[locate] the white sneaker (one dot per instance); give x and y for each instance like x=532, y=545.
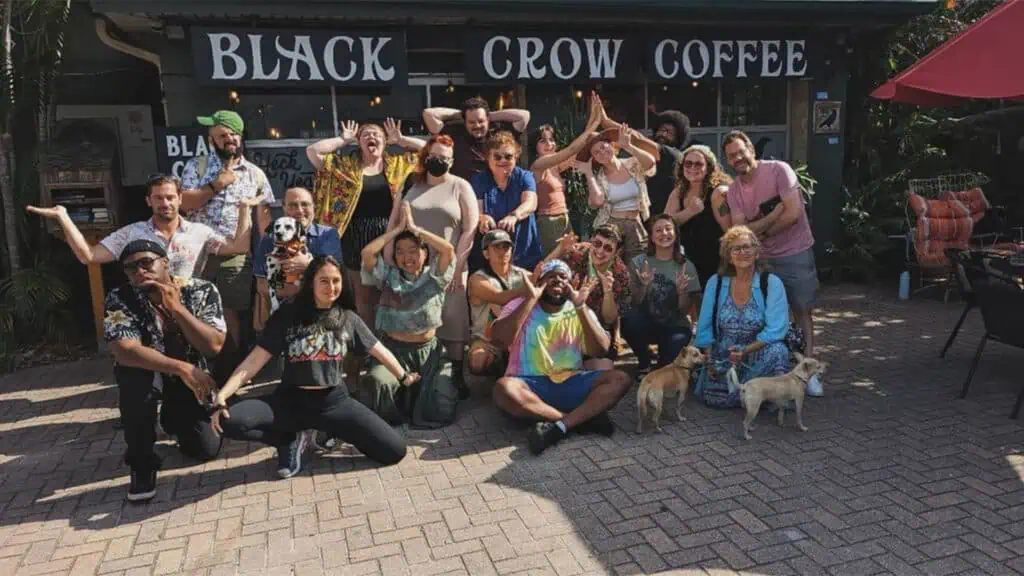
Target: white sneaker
x=814, y=387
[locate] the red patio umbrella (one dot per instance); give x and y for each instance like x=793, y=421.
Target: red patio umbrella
x=984, y=61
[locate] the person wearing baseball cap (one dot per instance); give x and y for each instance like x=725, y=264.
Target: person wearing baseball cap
x=209, y=183
x=161, y=329
x=497, y=283
x=547, y=332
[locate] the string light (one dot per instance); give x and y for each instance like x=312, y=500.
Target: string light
x=579, y=94
x=695, y=83
x=233, y=96
x=275, y=133
x=501, y=101
x=451, y=87
x=377, y=100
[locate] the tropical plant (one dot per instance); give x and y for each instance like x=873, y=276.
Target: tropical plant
x=32, y=309
x=889, y=143
x=33, y=300
x=33, y=33
x=569, y=120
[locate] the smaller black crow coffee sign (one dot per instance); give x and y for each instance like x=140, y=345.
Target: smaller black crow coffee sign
x=262, y=57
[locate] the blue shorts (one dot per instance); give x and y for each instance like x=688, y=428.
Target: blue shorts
x=564, y=396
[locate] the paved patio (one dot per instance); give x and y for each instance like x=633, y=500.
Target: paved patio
x=895, y=476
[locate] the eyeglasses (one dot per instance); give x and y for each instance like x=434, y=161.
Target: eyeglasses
x=505, y=157
x=607, y=247
x=741, y=248
x=692, y=164
x=143, y=263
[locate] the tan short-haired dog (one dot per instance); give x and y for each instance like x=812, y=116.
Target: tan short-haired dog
x=669, y=380
x=778, y=389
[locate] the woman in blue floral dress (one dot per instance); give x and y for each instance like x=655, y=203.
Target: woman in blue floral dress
x=750, y=329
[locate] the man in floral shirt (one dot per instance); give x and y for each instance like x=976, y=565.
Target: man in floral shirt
x=161, y=329
x=213, y=185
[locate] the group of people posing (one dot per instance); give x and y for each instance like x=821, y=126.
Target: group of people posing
x=440, y=258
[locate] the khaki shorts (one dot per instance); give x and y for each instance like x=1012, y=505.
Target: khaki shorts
x=634, y=237
x=233, y=277
x=799, y=275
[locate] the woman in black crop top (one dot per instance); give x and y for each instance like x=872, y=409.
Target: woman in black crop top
x=315, y=333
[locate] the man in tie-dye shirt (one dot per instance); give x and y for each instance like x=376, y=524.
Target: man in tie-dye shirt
x=547, y=334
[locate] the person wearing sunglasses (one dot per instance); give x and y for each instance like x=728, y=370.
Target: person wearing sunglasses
x=507, y=196
x=612, y=296
x=698, y=205
x=161, y=330
x=743, y=321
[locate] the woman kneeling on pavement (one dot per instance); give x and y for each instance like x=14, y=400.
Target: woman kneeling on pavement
x=412, y=298
x=743, y=321
x=315, y=333
x=664, y=283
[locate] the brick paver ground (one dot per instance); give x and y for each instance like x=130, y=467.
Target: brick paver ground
x=896, y=476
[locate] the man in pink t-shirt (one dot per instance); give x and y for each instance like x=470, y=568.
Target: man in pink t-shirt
x=766, y=197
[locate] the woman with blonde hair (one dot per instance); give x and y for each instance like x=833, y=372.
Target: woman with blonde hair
x=698, y=205
x=743, y=321
x=355, y=191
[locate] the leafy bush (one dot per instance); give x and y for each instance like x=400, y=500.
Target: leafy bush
x=569, y=120
x=33, y=309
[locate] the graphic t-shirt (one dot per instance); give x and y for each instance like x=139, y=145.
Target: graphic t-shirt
x=662, y=299
x=313, y=354
x=409, y=305
x=549, y=344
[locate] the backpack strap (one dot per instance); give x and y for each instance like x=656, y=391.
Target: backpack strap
x=714, y=310
x=764, y=286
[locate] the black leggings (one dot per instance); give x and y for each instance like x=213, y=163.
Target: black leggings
x=275, y=419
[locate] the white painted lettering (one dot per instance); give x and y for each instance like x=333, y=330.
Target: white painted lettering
x=531, y=49
x=705, y=59
x=574, y=53
x=303, y=52
x=329, y=56
x=219, y=53
x=659, y=59
x=371, y=60
x=173, y=149
x=748, y=53
x=769, y=57
x=795, y=55
x=256, y=41
x=488, y=57
x=723, y=53
x=602, y=64
x=201, y=148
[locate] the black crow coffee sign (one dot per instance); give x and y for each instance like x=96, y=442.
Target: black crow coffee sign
x=549, y=57
x=270, y=57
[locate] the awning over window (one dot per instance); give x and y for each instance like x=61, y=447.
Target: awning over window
x=984, y=61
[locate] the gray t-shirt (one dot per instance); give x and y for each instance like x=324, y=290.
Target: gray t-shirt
x=313, y=354
x=662, y=299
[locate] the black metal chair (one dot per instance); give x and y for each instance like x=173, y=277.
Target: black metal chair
x=1002, y=310
x=960, y=261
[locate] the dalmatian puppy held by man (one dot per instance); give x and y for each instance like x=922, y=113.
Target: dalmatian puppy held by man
x=289, y=241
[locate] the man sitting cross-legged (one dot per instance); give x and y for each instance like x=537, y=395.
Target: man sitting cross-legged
x=548, y=332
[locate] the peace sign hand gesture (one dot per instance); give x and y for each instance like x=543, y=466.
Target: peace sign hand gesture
x=646, y=276
x=579, y=297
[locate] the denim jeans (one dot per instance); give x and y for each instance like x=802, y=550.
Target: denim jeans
x=640, y=330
